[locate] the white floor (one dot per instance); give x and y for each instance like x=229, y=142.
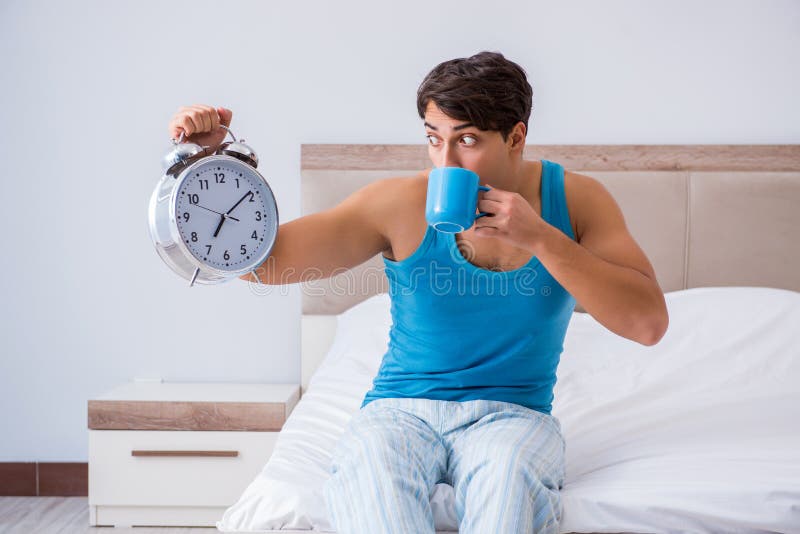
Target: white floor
x=65, y=515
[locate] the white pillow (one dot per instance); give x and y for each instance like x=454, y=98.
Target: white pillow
x=697, y=433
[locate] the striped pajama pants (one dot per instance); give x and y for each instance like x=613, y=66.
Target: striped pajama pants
x=504, y=461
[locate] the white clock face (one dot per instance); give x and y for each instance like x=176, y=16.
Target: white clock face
x=226, y=214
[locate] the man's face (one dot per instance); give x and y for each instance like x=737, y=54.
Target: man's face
x=456, y=143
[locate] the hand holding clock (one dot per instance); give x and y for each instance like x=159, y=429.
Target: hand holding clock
x=200, y=124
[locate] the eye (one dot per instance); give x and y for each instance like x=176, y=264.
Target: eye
x=432, y=140
x=469, y=140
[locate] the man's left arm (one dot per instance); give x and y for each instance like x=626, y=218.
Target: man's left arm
x=606, y=271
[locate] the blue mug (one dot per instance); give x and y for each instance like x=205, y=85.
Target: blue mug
x=452, y=199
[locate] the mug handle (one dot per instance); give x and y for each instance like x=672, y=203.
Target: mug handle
x=482, y=188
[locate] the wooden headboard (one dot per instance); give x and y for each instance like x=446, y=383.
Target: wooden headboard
x=705, y=215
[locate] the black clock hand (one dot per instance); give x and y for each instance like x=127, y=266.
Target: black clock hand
x=218, y=213
x=221, y=220
x=240, y=201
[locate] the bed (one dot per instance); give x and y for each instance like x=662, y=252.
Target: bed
x=699, y=433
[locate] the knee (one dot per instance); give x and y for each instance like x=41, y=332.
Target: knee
x=534, y=471
x=520, y=468
x=509, y=494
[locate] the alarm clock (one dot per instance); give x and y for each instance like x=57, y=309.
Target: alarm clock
x=212, y=216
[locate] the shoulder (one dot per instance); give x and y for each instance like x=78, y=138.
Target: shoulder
x=387, y=202
x=588, y=202
x=389, y=191
x=389, y=196
x=385, y=191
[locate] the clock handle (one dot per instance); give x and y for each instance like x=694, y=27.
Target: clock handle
x=183, y=134
x=229, y=132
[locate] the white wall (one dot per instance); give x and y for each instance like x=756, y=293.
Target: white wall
x=89, y=86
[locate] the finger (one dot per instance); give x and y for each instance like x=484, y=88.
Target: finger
x=202, y=117
x=489, y=206
x=214, y=114
x=491, y=193
x=486, y=231
x=210, y=115
x=195, y=115
x=225, y=116
x=484, y=222
x=492, y=206
x=174, y=129
x=496, y=199
x=492, y=196
x=185, y=121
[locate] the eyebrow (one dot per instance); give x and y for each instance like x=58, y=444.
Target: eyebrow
x=456, y=128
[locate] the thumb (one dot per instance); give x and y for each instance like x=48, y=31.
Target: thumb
x=225, y=116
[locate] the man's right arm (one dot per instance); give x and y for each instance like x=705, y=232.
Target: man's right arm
x=321, y=244
x=317, y=245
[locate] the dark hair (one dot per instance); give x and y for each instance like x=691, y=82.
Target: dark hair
x=486, y=89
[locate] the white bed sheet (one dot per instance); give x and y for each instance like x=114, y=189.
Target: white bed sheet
x=699, y=433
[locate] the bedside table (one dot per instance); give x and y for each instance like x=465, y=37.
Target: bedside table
x=179, y=454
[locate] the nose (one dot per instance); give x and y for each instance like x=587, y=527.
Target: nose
x=447, y=157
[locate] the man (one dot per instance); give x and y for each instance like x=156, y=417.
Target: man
x=464, y=391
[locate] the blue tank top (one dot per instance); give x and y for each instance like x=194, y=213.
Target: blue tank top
x=460, y=332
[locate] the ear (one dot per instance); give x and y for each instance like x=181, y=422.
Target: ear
x=516, y=138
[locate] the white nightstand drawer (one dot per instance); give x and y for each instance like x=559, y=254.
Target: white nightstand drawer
x=172, y=468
